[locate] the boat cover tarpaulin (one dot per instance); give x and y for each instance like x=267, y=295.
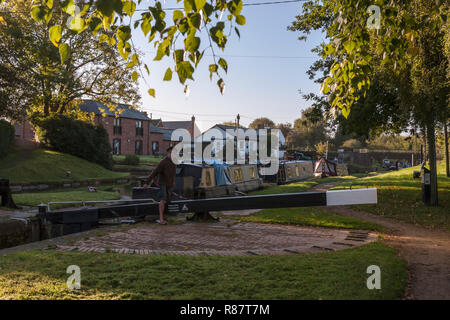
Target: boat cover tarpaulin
x=222, y=173
x=325, y=167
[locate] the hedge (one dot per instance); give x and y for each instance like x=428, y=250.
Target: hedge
x=75, y=137
x=6, y=137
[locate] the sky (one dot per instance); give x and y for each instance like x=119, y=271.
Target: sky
x=266, y=69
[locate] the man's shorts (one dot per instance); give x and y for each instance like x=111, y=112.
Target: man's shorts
x=164, y=192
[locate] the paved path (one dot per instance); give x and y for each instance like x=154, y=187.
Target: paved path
x=426, y=251
x=223, y=238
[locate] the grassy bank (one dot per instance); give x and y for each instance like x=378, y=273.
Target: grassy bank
x=331, y=275
x=36, y=198
x=48, y=166
x=309, y=216
x=400, y=197
x=303, y=186
x=118, y=159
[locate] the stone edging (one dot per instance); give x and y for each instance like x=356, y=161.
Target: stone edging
x=56, y=185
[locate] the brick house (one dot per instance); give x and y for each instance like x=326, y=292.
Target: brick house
x=25, y=135
x=129, y=133
x=132, y=132
x=161, y=133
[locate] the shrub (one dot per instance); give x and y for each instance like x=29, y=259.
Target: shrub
x=75, y=137
x=6, y=137
x=131, y=160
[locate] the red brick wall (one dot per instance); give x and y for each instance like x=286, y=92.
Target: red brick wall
x=25, y=136
x=128, y=137
x=163, y=144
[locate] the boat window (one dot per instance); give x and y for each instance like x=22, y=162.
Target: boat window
x=208, y=178
x=252, y=173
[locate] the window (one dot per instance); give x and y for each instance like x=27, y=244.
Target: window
x=155, y=147
x=117, y=126
x=139, y=129
x=138, y=149
x=252, y=173
x=17, y=129
x=116, y=146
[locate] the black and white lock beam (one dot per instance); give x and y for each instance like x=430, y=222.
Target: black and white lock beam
x=287, y=200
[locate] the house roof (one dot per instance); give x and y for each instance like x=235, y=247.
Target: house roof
x=156, y=122
x=167, y=133
x=173, y=125
x=95, y=106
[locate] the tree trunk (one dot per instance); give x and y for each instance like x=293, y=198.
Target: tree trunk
x=447, y=167
x=431, y=137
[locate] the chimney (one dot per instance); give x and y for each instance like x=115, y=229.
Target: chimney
x=237, y=122
x=193, y=126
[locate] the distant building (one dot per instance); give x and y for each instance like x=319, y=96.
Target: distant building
x=129, y=133
x=161, y=133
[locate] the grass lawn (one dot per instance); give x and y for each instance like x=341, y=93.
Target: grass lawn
x=309, y=216
x=303, y=186
x=142, y=159
x=330, y=275
x=36, y=198
x=400, y=197
x=49, y=166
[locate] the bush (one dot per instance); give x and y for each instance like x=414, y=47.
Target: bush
x=131, y=160
x=75, y=137
x=6, y=137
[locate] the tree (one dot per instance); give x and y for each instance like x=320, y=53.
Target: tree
x=176, y=36
x=306, y=133
x=404, y=40
x=32, y=74
x=262, y=123
x=285, y=128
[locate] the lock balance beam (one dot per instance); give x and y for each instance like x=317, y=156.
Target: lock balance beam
x=202, y=207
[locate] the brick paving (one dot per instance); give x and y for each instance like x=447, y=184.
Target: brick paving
x=224, y=238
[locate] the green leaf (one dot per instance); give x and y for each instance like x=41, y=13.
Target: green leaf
x=134, y=61
x=240, y=20
x=177, y=15
x=64, y=51
x=107, y=7
x=349, y=46
x=55, y=35
x=146, y=27
x=223, y=64
x=152, y=92
x=199, y=4
x=38, y=13
x=124, y=33
x=188, y=5
x=185, y=71
x=345, y=112
x=68, y=7
x=49, y=4
x=212, y=69
x=235, y=7
x=237, y=32
x=134, y=76
x=129, y=7
x=168, y=75
x=77, y=24
x=147, y=69
x=192, y=44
